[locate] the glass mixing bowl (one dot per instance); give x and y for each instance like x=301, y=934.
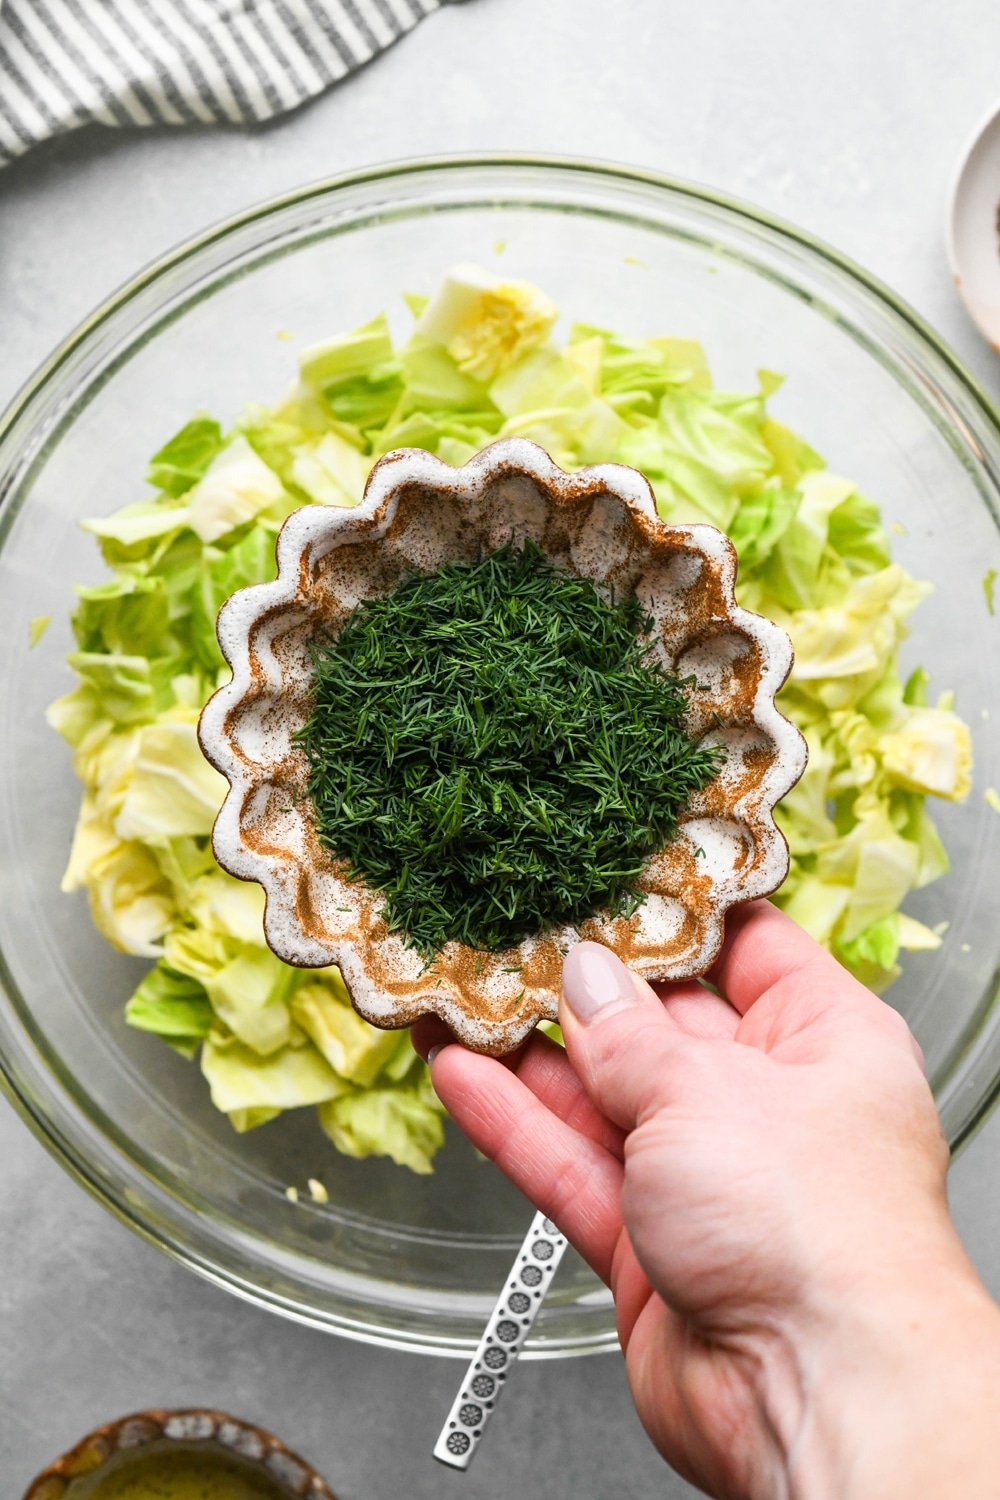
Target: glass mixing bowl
x=395, y=1259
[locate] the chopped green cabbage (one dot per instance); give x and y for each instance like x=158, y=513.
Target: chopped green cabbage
x=481, y=362
x=37, y=626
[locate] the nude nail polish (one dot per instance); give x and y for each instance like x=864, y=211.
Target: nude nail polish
x=596, y=983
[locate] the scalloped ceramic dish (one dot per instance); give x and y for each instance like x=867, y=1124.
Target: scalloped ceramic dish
x=417, y=514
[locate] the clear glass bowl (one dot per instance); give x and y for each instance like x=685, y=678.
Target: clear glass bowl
x=396, y=1259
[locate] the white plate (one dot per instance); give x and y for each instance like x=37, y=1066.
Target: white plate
x=974, y=228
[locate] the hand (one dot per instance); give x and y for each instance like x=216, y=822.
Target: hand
x=760, y=1179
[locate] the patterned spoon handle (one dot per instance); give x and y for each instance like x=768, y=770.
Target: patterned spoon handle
x=509, y=1325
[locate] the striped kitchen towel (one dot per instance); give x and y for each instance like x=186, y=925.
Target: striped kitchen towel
x=65, y=63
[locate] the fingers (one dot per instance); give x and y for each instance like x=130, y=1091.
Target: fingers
x=785, y=985
x=761, y=947
x=621, y=1039
x=543, y=1066
x=699, y=1013
x=547, y=1071
x=572, y=1179
x=428, y=1032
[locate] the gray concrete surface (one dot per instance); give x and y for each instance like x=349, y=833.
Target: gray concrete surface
x=846, y=119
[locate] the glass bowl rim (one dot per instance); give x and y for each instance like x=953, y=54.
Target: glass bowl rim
x=404, y=167
x=613, y=174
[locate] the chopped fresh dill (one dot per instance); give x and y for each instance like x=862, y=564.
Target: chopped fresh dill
x=493, y=748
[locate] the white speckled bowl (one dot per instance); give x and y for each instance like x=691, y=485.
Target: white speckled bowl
x=599, y=523
x=973, y=227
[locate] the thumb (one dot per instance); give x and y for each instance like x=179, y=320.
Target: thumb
x=622, y=1043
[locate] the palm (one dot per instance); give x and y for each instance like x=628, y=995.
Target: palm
x=707, y=1175
x=698, y=1411
x=691, y=1384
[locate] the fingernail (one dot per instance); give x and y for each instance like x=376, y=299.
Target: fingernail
x=433, y=1052
x=596, y=983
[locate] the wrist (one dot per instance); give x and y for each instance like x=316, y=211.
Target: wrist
x=901, y=1397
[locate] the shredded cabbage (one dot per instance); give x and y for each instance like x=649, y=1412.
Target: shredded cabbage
x=480, y=363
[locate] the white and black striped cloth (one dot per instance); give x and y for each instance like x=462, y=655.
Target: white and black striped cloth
x=66, y=63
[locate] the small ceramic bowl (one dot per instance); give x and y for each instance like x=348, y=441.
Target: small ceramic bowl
x=599, y=523
x=973, y=232
x=106, y=1450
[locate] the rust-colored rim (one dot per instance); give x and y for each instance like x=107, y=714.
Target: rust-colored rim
x=196, y=1425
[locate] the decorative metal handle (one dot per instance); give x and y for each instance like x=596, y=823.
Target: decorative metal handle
x=509, y=1325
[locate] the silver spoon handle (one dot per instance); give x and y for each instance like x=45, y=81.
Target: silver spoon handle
x=509, y=1325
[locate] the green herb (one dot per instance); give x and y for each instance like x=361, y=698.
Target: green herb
x=494, y=750
x=989, y=584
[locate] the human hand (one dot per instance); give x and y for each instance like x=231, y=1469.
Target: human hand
x=761, y=1181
